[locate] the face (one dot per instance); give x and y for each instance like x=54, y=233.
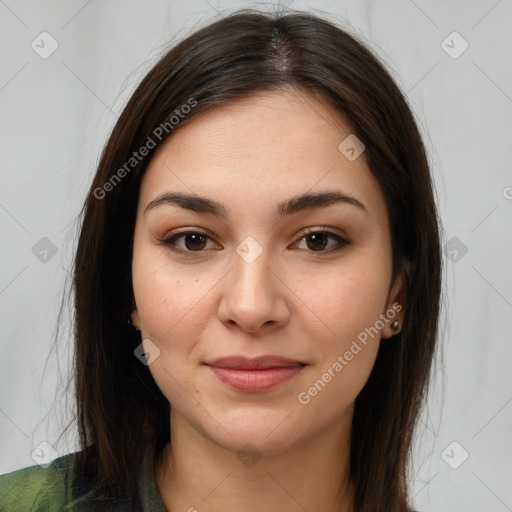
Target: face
x=250, y=271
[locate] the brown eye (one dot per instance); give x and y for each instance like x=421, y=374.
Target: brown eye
x=193, y=241
x=317, y=241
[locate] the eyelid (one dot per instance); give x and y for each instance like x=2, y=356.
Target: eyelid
x=342, y=240
x=322, y=229
x=169, y=239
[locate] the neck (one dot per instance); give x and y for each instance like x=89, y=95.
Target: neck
x=198, y=475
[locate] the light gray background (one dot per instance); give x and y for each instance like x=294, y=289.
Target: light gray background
x=56, y=114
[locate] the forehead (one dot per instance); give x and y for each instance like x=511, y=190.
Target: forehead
x=291, y=120
x=272, y=144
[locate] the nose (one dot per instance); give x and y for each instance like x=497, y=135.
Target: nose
x=254, y=296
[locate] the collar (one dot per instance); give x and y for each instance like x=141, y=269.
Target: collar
x=149, y=496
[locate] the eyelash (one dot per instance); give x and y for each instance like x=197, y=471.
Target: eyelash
x=171, y=240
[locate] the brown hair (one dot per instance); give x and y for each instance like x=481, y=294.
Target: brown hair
x=118, y=403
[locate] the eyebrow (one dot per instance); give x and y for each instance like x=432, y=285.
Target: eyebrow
x=293, y=205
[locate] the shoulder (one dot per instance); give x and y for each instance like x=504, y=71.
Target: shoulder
x=36, y=488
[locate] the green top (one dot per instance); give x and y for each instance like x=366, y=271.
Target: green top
x=58, y=488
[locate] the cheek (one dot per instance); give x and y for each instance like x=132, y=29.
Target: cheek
x=169, y=298
x=345, y=335
x=345, y=301
x=171, y=304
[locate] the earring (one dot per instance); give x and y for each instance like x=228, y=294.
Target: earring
x=134, y=326
x=395, y=325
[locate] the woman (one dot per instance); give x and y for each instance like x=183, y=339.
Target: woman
x=257, y=284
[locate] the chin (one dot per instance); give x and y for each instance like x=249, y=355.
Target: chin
x=269, y=434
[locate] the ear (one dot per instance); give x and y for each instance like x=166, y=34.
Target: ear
x=397, y=301
x=134, y=316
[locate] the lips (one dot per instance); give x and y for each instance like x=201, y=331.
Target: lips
x=254, y=375
x=257, y=363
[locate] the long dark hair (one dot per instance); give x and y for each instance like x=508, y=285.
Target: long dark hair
x=119, y=406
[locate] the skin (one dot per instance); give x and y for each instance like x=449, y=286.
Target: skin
x=292, y=301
